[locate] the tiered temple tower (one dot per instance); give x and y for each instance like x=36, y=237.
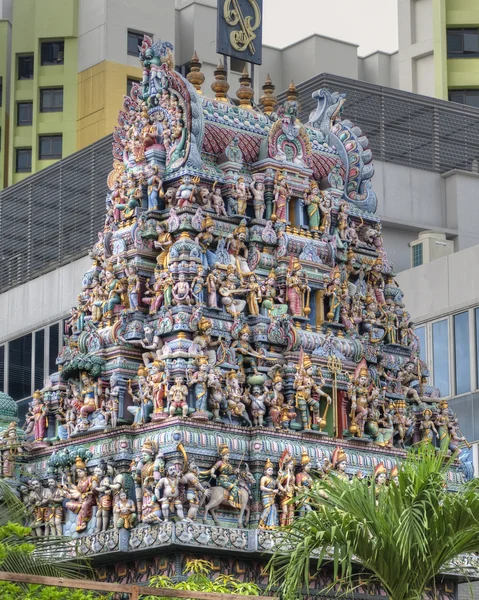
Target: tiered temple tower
x=240, y=327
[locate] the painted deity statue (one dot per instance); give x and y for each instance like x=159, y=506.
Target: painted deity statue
x=359, y=390
x=312, y=200
x=226, y=476
x=125, y=512
x=286, y=485
x=186, y=192
x=241, y=194
x=269, y=489
x=296, y=289
x=304, y=481
x=36, y=420
x=199, y=381
x=204, y=240
x=167, y=491
x=257, y=191
x=339, y=462
x=307, y=394
x=82, y=495
x=143, y=470
x=177, y=395
x=282, y=195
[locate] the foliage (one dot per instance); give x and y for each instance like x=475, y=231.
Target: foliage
x=20, y=552
x=199, y=581
x=399, y=537
x=12, y=591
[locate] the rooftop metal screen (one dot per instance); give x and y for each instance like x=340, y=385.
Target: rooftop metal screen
x=403, y=128
x=54, y=216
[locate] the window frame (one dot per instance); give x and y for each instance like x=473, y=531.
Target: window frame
x=52, y=63
x=26, y=123
x=139, y=38
x=450, y=355
x=17, y=150
x=419, y=245
x=461, y=31
x=455, y=348
x=129, y=84
x=53, y=90
x=50, y=136
x=473, y=92
x=22, y=57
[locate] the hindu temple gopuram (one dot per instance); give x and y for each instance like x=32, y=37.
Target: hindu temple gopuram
x=239, y=329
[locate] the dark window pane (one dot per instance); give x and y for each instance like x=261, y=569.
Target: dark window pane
x=456, y=96
x=52, y=53
x=50, y=146
x=476, y=315
x=134, y=39
x=471, y=41
x=129, y=84
x=440, y=356
x=454, y=42
x=20, y=367
x=417, y=255
x=472, y=97
x=25, y=67
x=51, y=100
x=39, y=359
x=1, y=91
x=24, y=113
x=462, y=353
x=421, y=334
x=2, y=368
x=53, y=349
x=23, y=160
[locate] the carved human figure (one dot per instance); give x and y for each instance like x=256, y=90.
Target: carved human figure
x=241, y=194
x=10, y=448
x=194, y=490
x=133, y=286
x=253, y=295
x=199, y=380
x=143, y=474
x=216, y=199
x=163, y=243
x=257, y=192
x=204, y=342
x=269, y=489
x=359, y=391
x=339, y=462
x=55, y=512
x=325, y=207
x=312, y=200
x=124, y=512
x=226, y=476
x=105, y=497
x=243, y=351
x=304, y=481
x=212, y=285
x=155, y=187
x=286, y=485
x=282, y=194
x=335, y=179
x=236, y=398
x=82, y=495
x=177, y=395
x=334, y=292
x=296, y=288
x=258, y=396
x=186, y=192
x=343, y=215
x=305, y=391
x=167, y=491
x=181, y=291
x=204, y=240
x=37, y=417
x=142, y=399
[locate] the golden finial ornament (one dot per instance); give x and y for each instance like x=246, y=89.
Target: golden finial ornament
x=195, y=76
x=245, y=92
x=268, y=100
x=220, y=85
x=292, y=93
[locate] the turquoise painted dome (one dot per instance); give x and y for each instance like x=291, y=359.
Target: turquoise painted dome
x=8, y=408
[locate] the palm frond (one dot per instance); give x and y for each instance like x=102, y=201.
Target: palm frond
x=401, y=537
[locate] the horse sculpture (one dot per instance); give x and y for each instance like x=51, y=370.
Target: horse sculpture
x=219, y=497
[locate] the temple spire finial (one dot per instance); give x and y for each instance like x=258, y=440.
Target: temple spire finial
x=195, y=76
x=268, y=100
x=220, y=85
x=245, y=92
x=292, y=93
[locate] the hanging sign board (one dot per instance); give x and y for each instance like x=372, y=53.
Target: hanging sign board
x=240, y=29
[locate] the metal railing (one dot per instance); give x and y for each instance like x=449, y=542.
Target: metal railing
x=403, y=128
x=54, y=216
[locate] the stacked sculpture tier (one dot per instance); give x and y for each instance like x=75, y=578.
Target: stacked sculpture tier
x=240, y=326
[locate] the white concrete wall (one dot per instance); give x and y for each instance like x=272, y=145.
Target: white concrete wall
x=42, y=300
x=103, y=26
x=424, y=75
x=415, y=40
x=442, y=286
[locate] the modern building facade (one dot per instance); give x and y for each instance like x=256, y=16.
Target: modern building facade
x=439, y=49
x=444, y=300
